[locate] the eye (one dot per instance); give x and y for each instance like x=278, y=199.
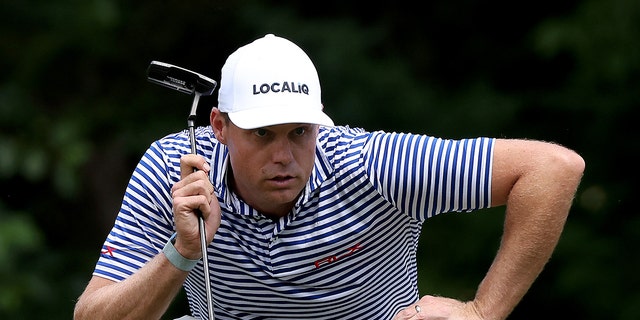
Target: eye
x=300, y=131
x=260, y=132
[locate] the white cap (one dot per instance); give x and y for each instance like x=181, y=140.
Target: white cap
x=271, y=81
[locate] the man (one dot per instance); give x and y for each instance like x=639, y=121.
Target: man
x=305, y=219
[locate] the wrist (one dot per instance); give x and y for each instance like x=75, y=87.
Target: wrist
x=177, y=259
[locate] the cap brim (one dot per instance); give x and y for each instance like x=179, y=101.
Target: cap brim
x=271, y=116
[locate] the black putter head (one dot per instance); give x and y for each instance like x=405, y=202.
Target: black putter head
x=180, y=79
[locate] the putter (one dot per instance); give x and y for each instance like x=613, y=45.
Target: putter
x=188, y=82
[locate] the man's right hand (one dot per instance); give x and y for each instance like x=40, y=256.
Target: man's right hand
x=194, y=195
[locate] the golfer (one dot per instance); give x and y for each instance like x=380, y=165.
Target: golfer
x=310, y=220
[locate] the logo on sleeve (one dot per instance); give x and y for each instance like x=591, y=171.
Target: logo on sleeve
x=109, y=250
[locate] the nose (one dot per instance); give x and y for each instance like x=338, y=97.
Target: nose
x=281, y=151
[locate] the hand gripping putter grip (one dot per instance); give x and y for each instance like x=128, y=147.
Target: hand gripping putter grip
x=188, y=82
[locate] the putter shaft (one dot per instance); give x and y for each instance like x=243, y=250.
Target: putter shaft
x=189, y=82
x=203, y=234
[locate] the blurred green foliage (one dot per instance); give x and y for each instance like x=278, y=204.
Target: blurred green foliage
x=76, y=113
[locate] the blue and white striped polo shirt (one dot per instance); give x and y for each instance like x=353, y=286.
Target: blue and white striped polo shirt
x=346, y=251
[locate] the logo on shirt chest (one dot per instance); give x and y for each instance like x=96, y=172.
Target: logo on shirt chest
x=331, y=259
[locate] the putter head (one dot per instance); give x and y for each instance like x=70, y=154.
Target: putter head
x=180, y=79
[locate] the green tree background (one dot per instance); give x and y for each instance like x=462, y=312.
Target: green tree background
x=76, y=113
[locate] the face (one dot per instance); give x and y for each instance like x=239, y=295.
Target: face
x=270, y=165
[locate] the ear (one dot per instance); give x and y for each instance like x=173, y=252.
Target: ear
x=218, y=124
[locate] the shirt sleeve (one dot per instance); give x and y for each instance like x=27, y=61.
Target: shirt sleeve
x=145, y=220
x=424, y=176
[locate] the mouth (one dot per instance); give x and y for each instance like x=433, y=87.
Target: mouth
x=281, y=180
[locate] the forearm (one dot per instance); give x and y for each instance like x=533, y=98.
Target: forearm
x=537, y=207
x=519, y=261
x=145, y=295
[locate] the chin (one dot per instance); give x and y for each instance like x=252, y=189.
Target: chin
x=283, y=198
